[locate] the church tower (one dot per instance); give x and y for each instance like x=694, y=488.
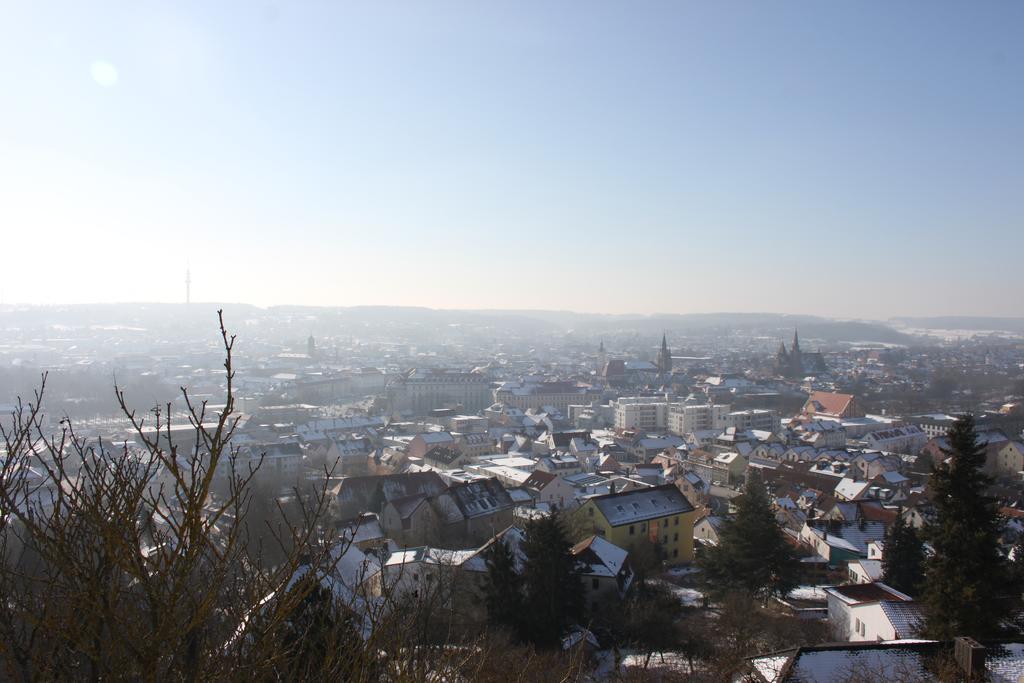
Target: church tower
x=311, y=347
x=664, y=357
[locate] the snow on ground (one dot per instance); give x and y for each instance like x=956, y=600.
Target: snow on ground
x=668, y=660
x=628, y=659
x=690, y=597
x=682, y=571
x=808, y=593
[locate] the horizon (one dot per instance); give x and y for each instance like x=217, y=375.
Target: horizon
x=681, y=158
x=521, y=311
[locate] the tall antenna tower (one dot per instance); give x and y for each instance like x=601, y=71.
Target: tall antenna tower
x=188, y=285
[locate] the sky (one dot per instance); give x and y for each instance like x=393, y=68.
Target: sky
x=857, y=159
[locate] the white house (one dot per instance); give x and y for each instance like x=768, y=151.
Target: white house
x=872, y=612
x=865, y=571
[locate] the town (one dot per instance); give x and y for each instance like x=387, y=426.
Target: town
x=680, y=498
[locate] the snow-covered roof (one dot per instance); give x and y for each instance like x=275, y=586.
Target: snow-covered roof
x=850, y=489
x=639, y=505
x=596, y=556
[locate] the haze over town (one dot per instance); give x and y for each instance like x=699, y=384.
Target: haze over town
x=441, y=340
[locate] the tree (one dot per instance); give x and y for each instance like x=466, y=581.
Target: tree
x=553, y=591
x=903, y=561
x=966, y=578
x=137, y=561
x=753, y=555
x=503, y=588
x=650, y=619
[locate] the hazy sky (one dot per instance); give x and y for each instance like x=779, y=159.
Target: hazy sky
x=851, y=159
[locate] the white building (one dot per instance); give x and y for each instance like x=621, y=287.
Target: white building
x=756, y=418
x=908, y=439
x=685, y=419
x=641, y=412
x=872, y=612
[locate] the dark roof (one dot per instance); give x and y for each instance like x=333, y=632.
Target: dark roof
x=562, y=437
x=480, y=497
x=638, y=505
x=407, y=505
x=538, y=479
x=868, y=592
x=442, y=454
x=357, y=494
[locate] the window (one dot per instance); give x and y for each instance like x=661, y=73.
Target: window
x=856, y=626
x=677, y=521
x=664, y=539
x=675, y=536
x=594, y=584
x=675, y=553
x=631, y=530
x=590, y=511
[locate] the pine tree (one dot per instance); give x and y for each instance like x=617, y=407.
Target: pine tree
x=903, y=561
x=752, y=556
x=966, y=578
x=553, y=591
x=503, y=589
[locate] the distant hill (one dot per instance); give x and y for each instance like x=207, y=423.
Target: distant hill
x=964, y=322
x=198, y=316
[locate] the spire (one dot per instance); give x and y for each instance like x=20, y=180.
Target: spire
x=600, y=349
x=796, y=341
x=664, y=356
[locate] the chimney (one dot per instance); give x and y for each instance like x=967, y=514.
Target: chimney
x=970, y=657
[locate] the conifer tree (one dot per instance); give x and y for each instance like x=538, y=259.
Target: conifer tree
x=903, y=561
x=553, y=591
x=967, y=577
x=753, y=556
x=503, y=589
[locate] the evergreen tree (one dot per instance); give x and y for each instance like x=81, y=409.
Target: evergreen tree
x=503, y=589
x=966, y=579
x=553, y=591
x=903, y=561
x=752, y=556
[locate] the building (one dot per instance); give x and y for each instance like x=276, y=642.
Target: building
x=796, y=363
x=839, y=541
x=445, y=458
x=423, y=389
x=908, y=439
x=538, y=395
x=641, y=413
x=664, y=361
x=604, y=570
x=476, y=444
x=872, y=612
x=1008, y=460
x=685, y=419
x=835, y=406
x=755, y=418
x=467, y=512
x=421, y=443
x=908, y=660
x=660, y=514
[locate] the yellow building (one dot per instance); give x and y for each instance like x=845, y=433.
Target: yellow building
x=660, y=514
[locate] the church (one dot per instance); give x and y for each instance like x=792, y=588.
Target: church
x=795, y=363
